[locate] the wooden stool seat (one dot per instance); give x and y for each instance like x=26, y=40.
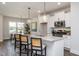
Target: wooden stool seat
x=39, y=48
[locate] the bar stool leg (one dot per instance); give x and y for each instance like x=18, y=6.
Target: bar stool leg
x=15, y=45
x=25, y=47
x=41, y=52
x=20, y=49
x=36, y=52
x=27, y=50
x=31, y=52
x=45, y=51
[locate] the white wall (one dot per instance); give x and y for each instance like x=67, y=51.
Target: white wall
x=75, y=28
x=1, y=28
x=6, y=20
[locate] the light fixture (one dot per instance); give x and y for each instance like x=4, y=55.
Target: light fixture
x=58, y=3
x=44, y=16
x=29, y=21
x=3, y=2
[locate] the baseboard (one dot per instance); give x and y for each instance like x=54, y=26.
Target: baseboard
x=74, y=52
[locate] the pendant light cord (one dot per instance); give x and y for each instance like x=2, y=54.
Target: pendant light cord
x=44, y=8
x=29, y=12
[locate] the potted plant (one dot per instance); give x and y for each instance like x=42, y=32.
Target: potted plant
x=27, y=29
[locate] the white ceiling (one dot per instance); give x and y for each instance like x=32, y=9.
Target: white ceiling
x=19, y=9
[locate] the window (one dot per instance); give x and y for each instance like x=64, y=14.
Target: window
x=20, y=27
x=16, y=27
x=12, y=27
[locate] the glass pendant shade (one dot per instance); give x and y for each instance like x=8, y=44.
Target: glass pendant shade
x=44, y=16
x=29, y=20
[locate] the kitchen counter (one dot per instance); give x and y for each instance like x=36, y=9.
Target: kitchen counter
x=49, y=38
x=55, y=45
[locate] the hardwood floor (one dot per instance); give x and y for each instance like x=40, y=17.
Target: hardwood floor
x=7, y=49
x=67, y=53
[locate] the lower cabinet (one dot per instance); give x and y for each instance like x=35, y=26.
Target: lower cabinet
x=67, y=43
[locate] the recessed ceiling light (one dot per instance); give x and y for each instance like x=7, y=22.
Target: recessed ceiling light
x=3, y=2
x=58, y=3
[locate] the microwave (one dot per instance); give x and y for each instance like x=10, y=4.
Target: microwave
x=59, y=24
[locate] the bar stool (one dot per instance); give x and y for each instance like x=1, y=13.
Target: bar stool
x=24, y=42
x=17, y=40
x=36, y=45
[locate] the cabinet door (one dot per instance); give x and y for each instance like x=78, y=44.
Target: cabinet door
x=67, y=19
x=60, y=16
x=50, y=23
x=67, y=43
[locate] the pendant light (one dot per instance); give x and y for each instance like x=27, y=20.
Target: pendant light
x=29, y=21
x=44, y=16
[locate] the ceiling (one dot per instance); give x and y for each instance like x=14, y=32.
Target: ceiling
x=20, y=9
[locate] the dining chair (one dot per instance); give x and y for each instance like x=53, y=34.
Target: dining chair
x=37, y=46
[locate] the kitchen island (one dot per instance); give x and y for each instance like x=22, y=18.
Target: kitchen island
x=55, y=45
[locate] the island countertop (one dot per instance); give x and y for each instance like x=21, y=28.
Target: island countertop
x=48, y=38
x=55, y=45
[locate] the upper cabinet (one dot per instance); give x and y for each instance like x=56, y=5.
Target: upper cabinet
x=50, y=23
x=67, y=19
x=56, y=17
x=64, y=16
x=60, y=16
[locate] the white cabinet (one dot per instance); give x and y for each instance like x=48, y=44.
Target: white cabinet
x=60, y=16
x=50, y=23
x=67, y=42
x=67, y=19
x=64, y=16
x=54, y=18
